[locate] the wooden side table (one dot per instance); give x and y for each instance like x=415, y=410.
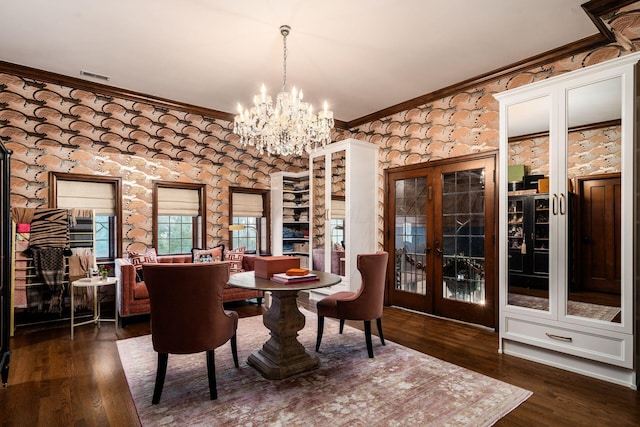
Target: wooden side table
x=94, y=283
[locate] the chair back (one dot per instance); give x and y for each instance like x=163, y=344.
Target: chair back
x=187, y=315
x=370, y=297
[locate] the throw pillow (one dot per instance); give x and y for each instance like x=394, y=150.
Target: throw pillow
x=137, y=259
x=214, y=254
x=235, y=257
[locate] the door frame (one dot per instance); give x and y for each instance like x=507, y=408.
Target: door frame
x=491, y=202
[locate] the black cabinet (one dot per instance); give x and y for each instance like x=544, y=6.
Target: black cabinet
x=528, y=241
x=5, y=264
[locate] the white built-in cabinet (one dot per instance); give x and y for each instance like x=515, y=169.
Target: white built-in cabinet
x=577, y=130
x=344, y=210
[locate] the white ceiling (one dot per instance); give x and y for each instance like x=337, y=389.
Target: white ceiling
x=359, y=55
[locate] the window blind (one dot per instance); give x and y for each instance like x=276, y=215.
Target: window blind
x=247, y=204
x=337, y=209
x=178, y=201
x=87, y=195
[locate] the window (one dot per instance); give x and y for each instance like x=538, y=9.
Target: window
x=178, y=217
x=104, y=241
x=249, y=220
x=175, y=234
x=337, y=220
x=337, y=231
x=101, y=195
x=244, y=232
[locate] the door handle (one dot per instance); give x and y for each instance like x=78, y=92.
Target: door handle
x=554, y=204
x=438, y=248
x=562, y=204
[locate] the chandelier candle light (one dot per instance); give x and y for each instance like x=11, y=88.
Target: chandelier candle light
x=287, y=128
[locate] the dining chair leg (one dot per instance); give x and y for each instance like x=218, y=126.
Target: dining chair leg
x=161, y=371
x=211, y=374
x=234, y=350
x=341, y=325
x=320, y=331
x=367, y=337
x=379, y=324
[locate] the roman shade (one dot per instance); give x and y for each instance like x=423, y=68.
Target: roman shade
x=337, y=209
x=178, y=201
x=247, y=204
x=98, y=196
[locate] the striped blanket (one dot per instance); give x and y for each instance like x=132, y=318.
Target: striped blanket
x=49, y=228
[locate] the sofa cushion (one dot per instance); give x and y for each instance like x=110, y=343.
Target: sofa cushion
x=207, y=255
x=175, y=259
x=137, y=259
x=235, y=257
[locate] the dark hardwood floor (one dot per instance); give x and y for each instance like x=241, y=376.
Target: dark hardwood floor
x=54, y=381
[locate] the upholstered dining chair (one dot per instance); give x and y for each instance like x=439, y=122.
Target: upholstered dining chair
x=187, y=315
x=364, y=304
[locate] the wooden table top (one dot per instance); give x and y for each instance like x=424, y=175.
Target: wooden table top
x=248, y=280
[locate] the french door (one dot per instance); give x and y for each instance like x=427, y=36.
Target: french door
x=440, y=234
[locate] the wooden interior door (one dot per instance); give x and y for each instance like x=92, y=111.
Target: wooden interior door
x=599, y=222
x=440, y=234
x=410, y=239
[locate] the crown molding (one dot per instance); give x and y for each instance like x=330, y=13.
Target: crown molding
x=74, y=82
x=585, y=44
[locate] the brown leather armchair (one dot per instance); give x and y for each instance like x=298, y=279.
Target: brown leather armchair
x=365, y=304
x=187, y=315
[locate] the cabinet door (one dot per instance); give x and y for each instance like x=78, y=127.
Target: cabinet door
x=577, y=132
x=528, y=237
x=329, y=212
x=598, y=170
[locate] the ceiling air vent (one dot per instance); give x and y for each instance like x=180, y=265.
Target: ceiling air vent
x=94, y=75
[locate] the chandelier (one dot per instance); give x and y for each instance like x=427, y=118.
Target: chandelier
x=289, y=126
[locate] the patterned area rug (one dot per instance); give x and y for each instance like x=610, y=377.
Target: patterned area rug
x=574, y=308
x=399, y=387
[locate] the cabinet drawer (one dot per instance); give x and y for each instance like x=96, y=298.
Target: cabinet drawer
x=614, y=348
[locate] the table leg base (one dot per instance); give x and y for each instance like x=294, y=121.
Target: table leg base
x=286, y=368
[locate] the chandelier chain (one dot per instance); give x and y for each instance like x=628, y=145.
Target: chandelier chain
x=284, y=66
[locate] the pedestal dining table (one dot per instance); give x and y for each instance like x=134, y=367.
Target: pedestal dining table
x=282, y=355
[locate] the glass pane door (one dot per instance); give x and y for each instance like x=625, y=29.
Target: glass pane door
x=411, y=235
x=463, y=232
x=464, y=245
x=441, y=226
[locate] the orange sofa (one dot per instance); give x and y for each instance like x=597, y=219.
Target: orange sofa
x=134, y=296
